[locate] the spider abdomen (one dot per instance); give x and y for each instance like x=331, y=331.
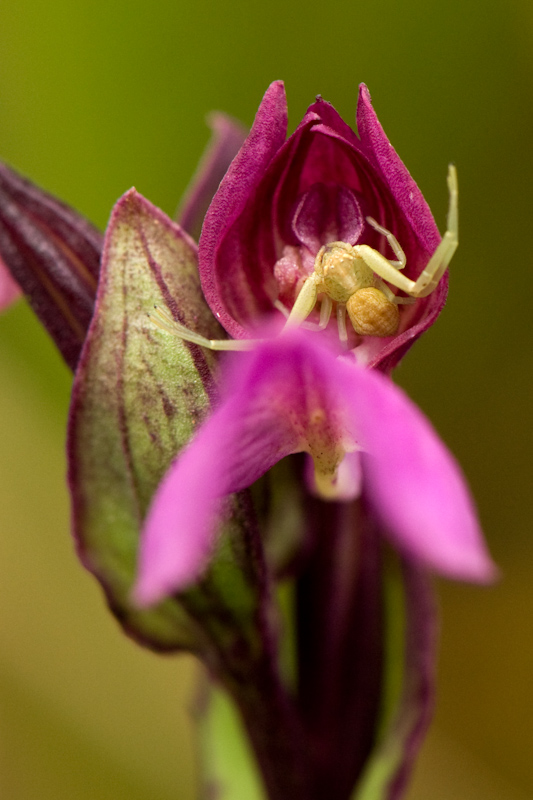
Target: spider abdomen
x=372, y=314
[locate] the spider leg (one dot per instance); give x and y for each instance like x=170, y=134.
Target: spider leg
x=281, y=308
x=341, y=323
x=163, y=320
x=305, y=302
x=389, y=294
x=438, y=263
x=393, y=242
x=325, y=312
x=384, y=269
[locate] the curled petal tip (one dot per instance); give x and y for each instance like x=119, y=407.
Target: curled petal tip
x=476, y=567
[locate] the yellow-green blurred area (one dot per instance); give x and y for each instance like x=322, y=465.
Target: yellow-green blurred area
x=95, y=97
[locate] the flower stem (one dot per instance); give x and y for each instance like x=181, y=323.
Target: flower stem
x=339, y=645
x=241, y=650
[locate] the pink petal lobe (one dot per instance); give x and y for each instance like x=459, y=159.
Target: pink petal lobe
x=414, y=482
x=235, y=447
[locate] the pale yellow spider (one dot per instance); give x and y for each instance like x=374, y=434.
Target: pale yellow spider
x=352, y=276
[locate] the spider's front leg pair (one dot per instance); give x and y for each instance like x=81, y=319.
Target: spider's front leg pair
x=438, y=263
x=356, y=278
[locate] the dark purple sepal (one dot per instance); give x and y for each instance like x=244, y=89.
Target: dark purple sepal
x=53, y=253
x=421, y=222
x=230, y=286
x=227, y=138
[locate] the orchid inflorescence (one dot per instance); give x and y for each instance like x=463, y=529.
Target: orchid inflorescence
x=202, y=481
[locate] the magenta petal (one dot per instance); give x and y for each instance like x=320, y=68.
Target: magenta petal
x=401, y=185
x=9, y=290
x=281, y=200
x=327, y=213
x=266, y=137
x=421, y=224
x=308, y=216
x=414, y=482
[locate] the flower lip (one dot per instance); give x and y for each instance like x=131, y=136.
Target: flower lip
x=260, y=238
x=291, y=394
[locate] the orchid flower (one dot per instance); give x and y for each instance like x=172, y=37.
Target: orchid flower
x=168, y=439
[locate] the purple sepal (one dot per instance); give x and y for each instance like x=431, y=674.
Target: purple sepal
x=227, y=138
x=236, y=189
x=53, y=253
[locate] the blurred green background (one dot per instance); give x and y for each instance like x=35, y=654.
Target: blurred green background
x=95, y=97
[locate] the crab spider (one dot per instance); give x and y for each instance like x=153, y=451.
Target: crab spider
x=356, y=278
